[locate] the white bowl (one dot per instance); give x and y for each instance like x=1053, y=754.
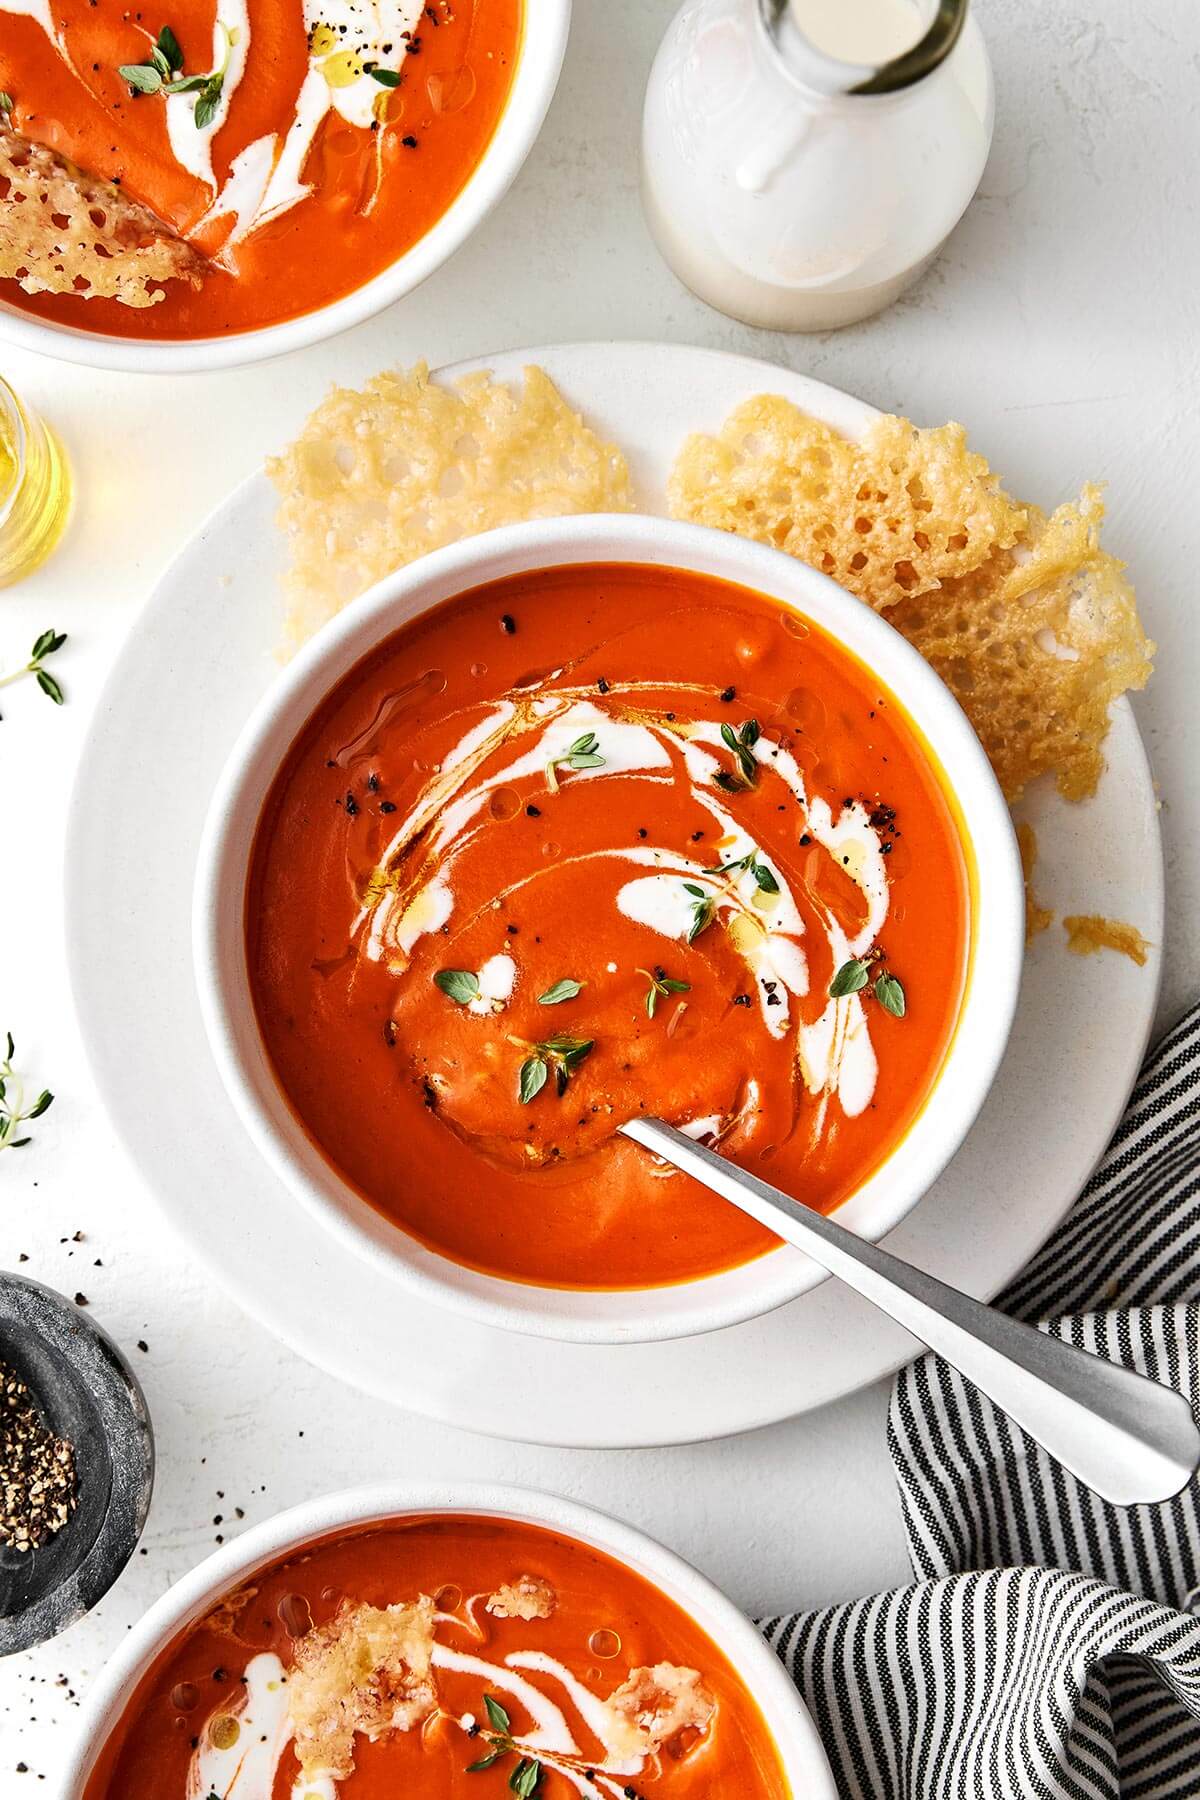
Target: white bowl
x=616, y=1316
x=787, y=1719
x=539, y=61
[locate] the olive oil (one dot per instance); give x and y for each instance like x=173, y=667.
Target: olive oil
x=35, y=489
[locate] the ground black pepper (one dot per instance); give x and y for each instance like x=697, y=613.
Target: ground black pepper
x=37, y=1469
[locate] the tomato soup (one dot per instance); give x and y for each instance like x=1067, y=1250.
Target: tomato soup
x=591, y=843
x=300, y=145
x=435, y=1658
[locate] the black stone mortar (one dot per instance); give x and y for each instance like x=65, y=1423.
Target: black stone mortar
x=86, y=1392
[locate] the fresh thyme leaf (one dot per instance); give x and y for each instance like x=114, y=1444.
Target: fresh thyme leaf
x=525, y=1777
x=697, y=891
x=143, y=77
x=210, y=99
x=388, y=78
x=6, y=103
x=497, y=1716
x=167, y=46
x=532, y=1079
x=49, y=686
x=750, y=732
x=585, y=759
x=566, y=989
x=47, y=643
x=485, y=1762
x=765, y=879
x=461, y=985
x=572, y=1050
x=726, y=781
x=890, y=995
x=851, y=978
x=13, y=1111
x=185, y=84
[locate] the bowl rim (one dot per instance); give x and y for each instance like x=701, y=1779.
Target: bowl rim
x=539, y=62
x=603, y=1315
x=778, y=1699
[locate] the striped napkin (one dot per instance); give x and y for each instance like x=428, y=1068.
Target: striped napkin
x=1050, y=1646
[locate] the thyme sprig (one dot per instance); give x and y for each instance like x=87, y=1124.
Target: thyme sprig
x=704, y=910
x=741, y=742
x=43, y=646
x=6, y=106
x=582, y=754
x=162, y=73
x=13, y=1112
x=527, y=1773
x=557, y=1056
x=763, y=876
x=662, y=986
x=855, y=975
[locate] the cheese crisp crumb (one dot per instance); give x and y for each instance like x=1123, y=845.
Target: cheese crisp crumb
x=1028, y=621
x=1089, y=932
x=380, y=476
x=529, y=1597
x=368, y=1671
x=66, y=232
x=652, y=1706
x=1037, y=918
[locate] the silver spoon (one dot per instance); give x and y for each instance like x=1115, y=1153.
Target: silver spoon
x=1130, y=1439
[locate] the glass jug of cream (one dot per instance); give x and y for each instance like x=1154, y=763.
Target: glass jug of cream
x=803, y=161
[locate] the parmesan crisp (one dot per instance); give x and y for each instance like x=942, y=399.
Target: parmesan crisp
x=368, y=1670
x=381, y=475
x=63, y=231
x=1028, y=621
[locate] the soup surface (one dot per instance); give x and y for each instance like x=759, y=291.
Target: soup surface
x=389, y=1661
x=338, y=133
x=590, y=843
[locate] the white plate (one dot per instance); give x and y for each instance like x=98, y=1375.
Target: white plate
x=193, y=665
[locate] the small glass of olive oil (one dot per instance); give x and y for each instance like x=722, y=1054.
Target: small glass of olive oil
x=35, y=489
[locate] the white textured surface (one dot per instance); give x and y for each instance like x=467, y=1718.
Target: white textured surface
x=1061, y=325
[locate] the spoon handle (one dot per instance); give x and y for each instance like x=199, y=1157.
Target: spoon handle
x=1130, y=1439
